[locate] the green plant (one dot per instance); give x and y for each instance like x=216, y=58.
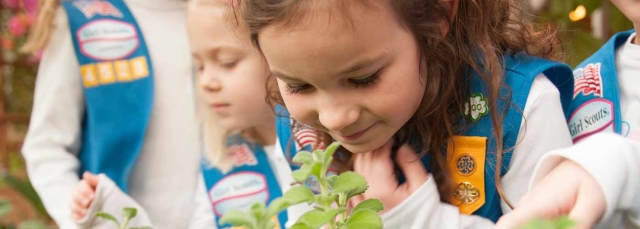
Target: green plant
x=127, y=214
x=559, y=223
x=6, y=207
x=330, y=207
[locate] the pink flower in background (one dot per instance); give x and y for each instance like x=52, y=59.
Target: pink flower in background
x=16, y=27
x=11, y=4
x=31, y=6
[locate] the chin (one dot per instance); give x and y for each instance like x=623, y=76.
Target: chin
x=364, y=147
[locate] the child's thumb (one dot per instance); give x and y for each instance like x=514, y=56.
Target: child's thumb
x=91, y=179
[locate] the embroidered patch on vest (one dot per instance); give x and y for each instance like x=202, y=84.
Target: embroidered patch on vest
x=594, y=116
x=305, y=136
x=107, y=39
x=238, y=191
x=588, y=81
x=466, y=156
x=477, y=107
x=103, y=8
x=242, y=155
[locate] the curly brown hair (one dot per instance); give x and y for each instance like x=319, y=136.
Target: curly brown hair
x=478, y=35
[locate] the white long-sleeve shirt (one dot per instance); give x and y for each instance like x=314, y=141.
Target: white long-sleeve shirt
x=165, y=178
x=544, y=130
x=611, y=159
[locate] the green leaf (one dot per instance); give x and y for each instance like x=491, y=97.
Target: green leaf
x=559, y=223
x=238, y=218
x=371, y=204
x=328, y=153
x=316, y=218
x=109, y=217
x=33, y=224
x=316, y=169
x=269, y=224
x=318, y=155
x=258, y=210
x=27, y=191
x=351, y=184
x=303, y=157
x=326, y=200
x=300, y=226
x=364, y=219
x=5, y=207
x=306, y=170
x=331, y=180
x=129, y=213
x=298, y=194
x=276, y=206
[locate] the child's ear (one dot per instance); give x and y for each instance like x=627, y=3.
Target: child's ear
x=452, y=7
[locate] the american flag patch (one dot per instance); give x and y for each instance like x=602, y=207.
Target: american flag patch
x=588, y=80
x=242, y=155
x=307, y=136
x=103, y=8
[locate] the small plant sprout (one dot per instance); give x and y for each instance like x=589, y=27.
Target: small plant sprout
x=330, y=205
x=127, y=214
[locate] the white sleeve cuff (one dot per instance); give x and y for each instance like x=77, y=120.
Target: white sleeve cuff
x=110, y=199
x=609, y=159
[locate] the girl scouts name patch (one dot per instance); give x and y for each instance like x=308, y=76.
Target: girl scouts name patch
x=238, y=191
x=594, y=116
x=107, y=39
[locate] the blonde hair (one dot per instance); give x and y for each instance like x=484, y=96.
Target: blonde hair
x=41, y=31
x=213, y=134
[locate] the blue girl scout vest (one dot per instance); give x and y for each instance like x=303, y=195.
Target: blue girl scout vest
x=472, y=168
x=596, y=97
x=250, y=180
x=117, y=77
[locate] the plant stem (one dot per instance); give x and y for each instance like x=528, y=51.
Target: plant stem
x=323, y=188
x=342, y=202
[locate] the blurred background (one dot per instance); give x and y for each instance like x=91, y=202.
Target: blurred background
x=584, y=24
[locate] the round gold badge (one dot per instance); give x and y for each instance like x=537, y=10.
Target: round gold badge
x=466, y=165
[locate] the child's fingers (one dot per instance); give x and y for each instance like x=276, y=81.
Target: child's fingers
x=83, y=194
x=522, y=215
x=91, y=179
x=412, y=167
x=589, y=206
x=77, y=212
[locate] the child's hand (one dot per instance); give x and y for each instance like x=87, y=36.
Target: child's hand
x=567, y=190
x=377, y=169
x=83, y=195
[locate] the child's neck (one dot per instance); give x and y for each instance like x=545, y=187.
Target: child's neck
x=159, y=4
x=263, y=134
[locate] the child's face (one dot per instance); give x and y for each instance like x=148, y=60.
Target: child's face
x=630, y=8
x=359, y=82
x=231, y=74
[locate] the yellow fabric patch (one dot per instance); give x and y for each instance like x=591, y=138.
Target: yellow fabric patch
x=106, y=73
x=140, y=67
x=89, y=75
x=122, y=70
x=466, y=156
